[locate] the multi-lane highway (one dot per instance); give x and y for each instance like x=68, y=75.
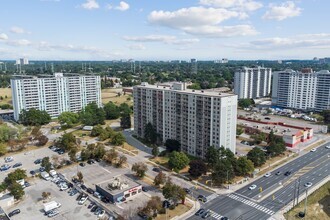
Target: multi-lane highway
x=279, y=189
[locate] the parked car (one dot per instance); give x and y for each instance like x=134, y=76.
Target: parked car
x=32, y=172
x=9, y=159
x=17, y=165
x=156, y=169
x=91, y=161
x=93, y=209
x=98, y=159
x=252, y=186
x=90, y=191
x=82, y=200
x=82, y=164
x=26, y=184
x=202, y=198
x=267, y=118
x=91, y=205
x=97, y=195
x=101, y=213
x=5, y=167
x=224, y=218
x=278, y=173
x=37, y=161
x=83, y=187
x=144, y=189
x=188, y=191
x=42, y=169
x=313, y=149
x=14, y=212
x=327, y=147
x=206, y=214
x=61, y=151
x=52, y=213
x=200, y=212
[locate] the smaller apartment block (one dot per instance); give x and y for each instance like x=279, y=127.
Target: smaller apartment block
x=55, y=94
x=304, y=90
x=252, y=83
x=196, y=118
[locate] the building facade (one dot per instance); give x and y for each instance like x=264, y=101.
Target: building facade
x=252, y=83
x=55, y=94
x=305, y=90
x=196, y=118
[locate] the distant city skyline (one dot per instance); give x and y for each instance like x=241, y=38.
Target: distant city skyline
x=164, y=29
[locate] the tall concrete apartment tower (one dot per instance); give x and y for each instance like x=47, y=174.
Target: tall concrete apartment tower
x=252, y=83
x=196, y=118
x=55, y=94
x=305, y=90
x=193, y=63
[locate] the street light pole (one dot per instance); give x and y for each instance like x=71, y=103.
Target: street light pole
x=227, y=179
x=305, y=210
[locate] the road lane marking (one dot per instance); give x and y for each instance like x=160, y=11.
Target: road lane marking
x=215, y=215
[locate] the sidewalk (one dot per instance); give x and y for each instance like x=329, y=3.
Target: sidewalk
x=191, y=212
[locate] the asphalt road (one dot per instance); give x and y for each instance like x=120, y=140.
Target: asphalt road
x=241, y=205
x=268, y=183
x=137, y=144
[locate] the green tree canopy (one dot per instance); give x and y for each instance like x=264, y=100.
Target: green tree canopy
x=16, y=190
x=34, y=117
x=222, y=172
x=67, y=141
x=46, y=163
x=3, y=149
x=197, y=168
x=244, y=166
x=68, y=119
x=92, y=115
x=125, y=121
x=12, y=177
x=140, y=169
x=174, y=192
x=245, y=103
x=118, y=139
x=257, y=156
x=150, y=134
x=178, y=160
x=111, y=110
x=172, y=145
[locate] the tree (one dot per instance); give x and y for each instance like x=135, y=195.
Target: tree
x=212, y=156
x=160, y=178
x=42, y=140
x=153, y=206
x=326, y=116
x=155, y=151
x=125, y=109
x=121, y=161
x=276, y=147
x=245, y=103
x=125, y=121
x=3, y=149
x=239, y=131
x=97, y=130
x=140, y=169
x=72, y=154
x=12, y=177
x=80, y=176
x=172, y=145
x=111, y=111
x=118, y=139
x=197, y=168
x=46, y=164
x=99, y=151
x=222, y=172
x=257, y=156
x=174, y=192
x=150, y=134
x=45, y=195
x=258, y=138
x=111, y=156
x=7, y=133
x=68, y=119
x=92, y=115
x=178, y=160
x=244, y=166
x=67, y=141
x=16, y=190
x=34, y=117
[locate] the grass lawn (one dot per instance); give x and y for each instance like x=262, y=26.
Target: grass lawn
x=179, y=210
x=5, y=92
x=318, y=205
x=111, y=95
x=163, y=161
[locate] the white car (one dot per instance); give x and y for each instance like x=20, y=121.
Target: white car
x=64, y=187
x=253, y=187
x=82, y=200
x=101, y=214
x=9, y=159
x=267, y=175
x=308, y=184
x=327, y=147
x=313, y=150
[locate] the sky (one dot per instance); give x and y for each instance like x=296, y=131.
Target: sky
x=164, y=29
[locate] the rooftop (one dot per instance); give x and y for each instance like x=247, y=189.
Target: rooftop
x=50, y=76
x=118, y=184
x=181, y=88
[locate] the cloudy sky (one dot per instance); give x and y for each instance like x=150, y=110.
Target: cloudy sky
x=164, y=29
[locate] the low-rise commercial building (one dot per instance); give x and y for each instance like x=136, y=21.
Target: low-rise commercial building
x=119, y=189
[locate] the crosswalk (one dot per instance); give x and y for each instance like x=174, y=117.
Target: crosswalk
x=215, y=215
x=252, y=204
x=211, y=197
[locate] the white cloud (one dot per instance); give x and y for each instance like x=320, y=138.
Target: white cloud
x=108, y=6
x=3, y=36
x=18, y=30
x=123, y=6
x=137, y=47
x=243, y=5
x=167, y=39
x=283, y=11
x=90, y=5
x=21, y=42
x=201, y=21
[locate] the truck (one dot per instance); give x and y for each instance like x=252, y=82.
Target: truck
x=51, y=206
x=45, y=175
x=53, y=173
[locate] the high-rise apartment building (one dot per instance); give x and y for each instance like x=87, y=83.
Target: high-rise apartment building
x=252, y=83
x=55, y=94
x=193, y=63
x=196, y=118
x=304, y=90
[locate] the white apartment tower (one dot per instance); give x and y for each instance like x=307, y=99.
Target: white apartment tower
x=55, y=94
x=304, y=90
x=196, y=118
x=252, y=83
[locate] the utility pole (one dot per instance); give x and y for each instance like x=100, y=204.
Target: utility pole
x=305, y=210
x=298, y=191
x=294, y=194
x=227, y=179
